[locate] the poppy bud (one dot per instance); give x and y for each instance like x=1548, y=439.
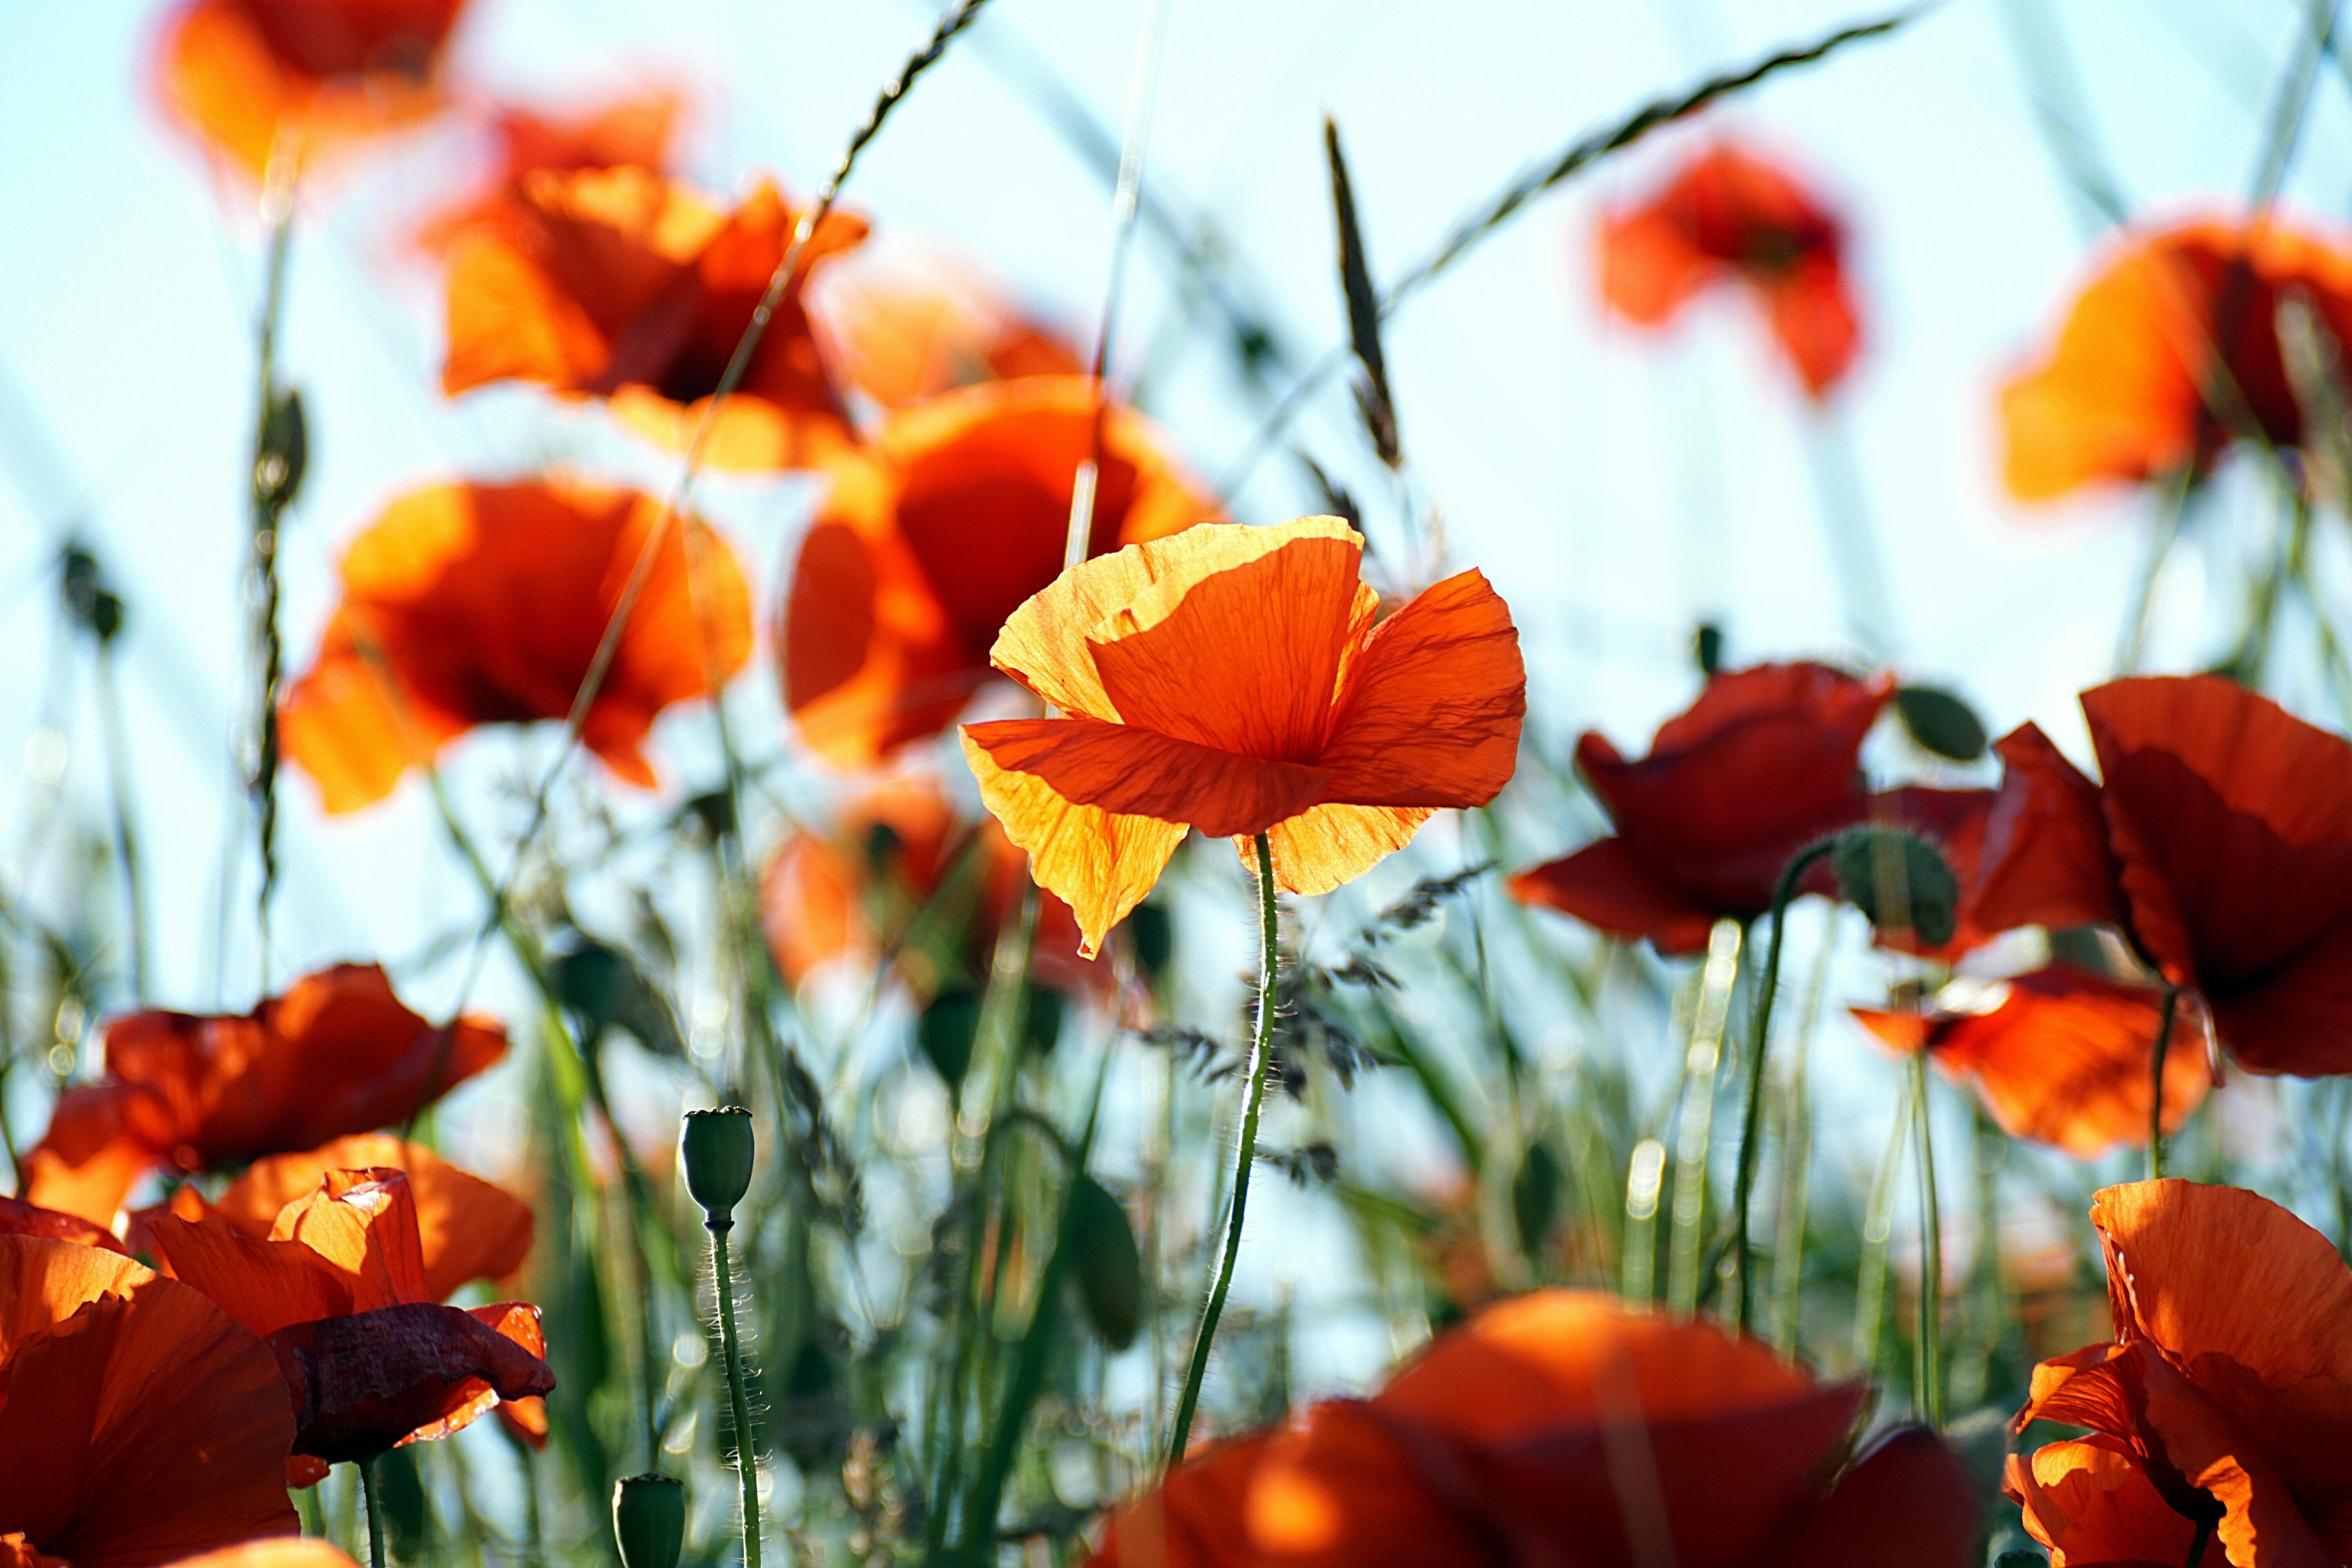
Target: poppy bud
x=1900, y=880
x=648, y=1519
x=716, y=1150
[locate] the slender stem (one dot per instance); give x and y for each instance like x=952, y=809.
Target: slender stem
x=1877, y=1231
x=270, y=495
x=126, y=841
x=2199, y=1542
x=747, y=1468
x=1931, y=1261
x=374, y=1513
x=2156, y=1082
x=1751, y=1124
x=1244, y=1152
x=2142, y=613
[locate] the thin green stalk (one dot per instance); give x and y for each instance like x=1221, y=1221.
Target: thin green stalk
x=2156, y=1082
x=1796, y=1167
x=1751, y=1124
x=1644, y=1174
x=2142, y=613
x=269, y=497
x=747, y=1468
x=374, y=1513
x=1931, y=1259
x=1244, y=1150
x=1694, y=1137
x=126, y=841
x=1877, y=1233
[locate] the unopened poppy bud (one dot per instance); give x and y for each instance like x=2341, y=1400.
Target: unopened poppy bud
x=716, y=1150
x=1900, y=880
x=648, y=1519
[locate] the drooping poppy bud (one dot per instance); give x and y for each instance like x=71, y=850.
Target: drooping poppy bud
x=648, y=1519
x=716, y=1149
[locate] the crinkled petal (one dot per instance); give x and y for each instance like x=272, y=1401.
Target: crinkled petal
x=364, y=1383
x=1132, y=771
x=1327, y=846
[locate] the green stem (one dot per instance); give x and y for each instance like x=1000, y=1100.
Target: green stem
x=1751, y=1124
x=2156, y=1082
x=374, y=1513
x=1244, y=1152
x=1877, y=1231
x=747, y=1468
x=268, y=506
x=1931, y=1261
x=2199, y=1542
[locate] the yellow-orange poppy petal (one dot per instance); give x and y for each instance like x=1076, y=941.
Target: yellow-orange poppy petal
x=1192, y=1519
x=1099, y=864
x=2091, y=1502
x=89, y=1159
x=2263, y=1519
x=364, y=1224
x=276, y=1551
x=265, y=1284
x=1327, y=846
x=1132, y=771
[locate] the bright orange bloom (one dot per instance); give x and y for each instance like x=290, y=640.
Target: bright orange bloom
x=632, y=131
x=251, y=78
x=137, y=1424
x=1564, y=1426
x=276, y=1551
x=1730, y=216
x=1766, y=761
x=2225, y=1397
x=907, y=335
x=2062, y=1055
x=2170, y=352
x=18, y=1218
x=341, y=1289
x=930, y=539
x=1234, y=679
x=619, y=284
x=2220, y=840
x=469, y=605
x=338, y=1053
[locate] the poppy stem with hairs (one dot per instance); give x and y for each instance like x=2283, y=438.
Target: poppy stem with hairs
x=374, y=1513
x=1244, y=1152
x=1931, y=1259
x=2156, y=1081
x=1752, y=1122
x=715, y=1150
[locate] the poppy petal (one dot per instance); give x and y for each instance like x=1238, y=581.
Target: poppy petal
x=363, y=1222
x=280, y=1552
x=265, y=1285
x=1606, y=884
x=1327, y=847
x=1192, y=1519
x=1813, y=320
x=88, y=1159
x=1131, y=772
x=363, y=1382
x=2091, y=1502
x=1906, y=1503
x=1340, y=1489
x=2045, y=860
x=20, y=1218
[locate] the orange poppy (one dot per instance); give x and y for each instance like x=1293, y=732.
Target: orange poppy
x=467, y=604
x=2215, y=1405
x=276, y=1551
x=632, y=131
x=620, y=284
x=1767, y=761
x=2060, y=1056
x=891, y=855
x=341, y=1289
x=931, y=537
x=2220, y=839
x=138, y=1423
x=1564, y=1426
x=905, y=335
x=1729, y=215
x=1234, y=679
x=2131, y=389
x=18, y=1218
x=248, y=77
x=337, y=1053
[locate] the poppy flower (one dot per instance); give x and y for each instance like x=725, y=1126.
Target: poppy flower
x=2060, y=1056
x=908, y=334
x=336, y=1054
x=929, y=540
x=1730, y=216
x=137, y=1424
x=467, y=604
x=18, y=1218
x=1563, y=1426
x=2215, y=1404
x=341, y=1290
x=629, y=132
x=897, y=863
x=1766, y=761
x=274, y=1552
x=621, y=284
x=2219, y=839
x=250, y=79
x=2170, y=352
x=1238, y=680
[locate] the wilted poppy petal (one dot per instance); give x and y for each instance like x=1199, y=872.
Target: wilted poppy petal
x=1131, y=772
x=519, y=1322
x=1327, y=847
x=1192, y=1519
x=363, y=1383
x=1906, y=1503
x=20, y=1218
x=1606, y=884
x=2091, y=1502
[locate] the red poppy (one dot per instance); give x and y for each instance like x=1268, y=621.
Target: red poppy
x=2171, y=352
x=137, y=1424
x=338, y=1053
x=341, y=1290
x=1564, y=1426
x=2060, y=1056
x=929, y=540
x=2220, y=839
x=2215, y=1403
x=1766, y=761
x=631, y=131
x=469, y=605
x=1235, y=679
x=619, y=284
x=256, y=79
x=1729, y=216
x=904, y=336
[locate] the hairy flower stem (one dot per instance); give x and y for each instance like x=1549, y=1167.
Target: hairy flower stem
x=1752, y=1121
x=747, y=1468
x=2156, y=1082
x=1931, y=1254
x=1244, y=1152
x=374, y=1513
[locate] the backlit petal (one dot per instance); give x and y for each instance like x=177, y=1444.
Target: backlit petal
x=1192, y=1519
x=1132, y=771
x=1431, y=712
x=1327, y=846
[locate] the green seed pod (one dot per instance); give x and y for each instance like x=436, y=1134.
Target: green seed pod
x=649, y=1520
x=1900, y=880
x=716, y=1149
